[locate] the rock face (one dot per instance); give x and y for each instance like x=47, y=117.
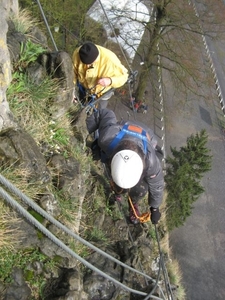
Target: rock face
x=18, y=289
x=16, y=146
x=6, y=118
x=59, y=65
x=19, y=148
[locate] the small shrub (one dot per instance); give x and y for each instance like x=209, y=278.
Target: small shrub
x=29, y=52
x=184, y=172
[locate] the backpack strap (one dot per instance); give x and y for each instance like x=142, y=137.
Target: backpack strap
x=132, y=130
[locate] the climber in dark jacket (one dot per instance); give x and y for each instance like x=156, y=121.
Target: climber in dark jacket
x=130, y=152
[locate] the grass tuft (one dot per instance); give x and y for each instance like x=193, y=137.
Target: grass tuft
x=24, y=22
x=9, y=236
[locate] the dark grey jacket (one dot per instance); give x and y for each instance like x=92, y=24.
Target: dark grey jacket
x=105, y=121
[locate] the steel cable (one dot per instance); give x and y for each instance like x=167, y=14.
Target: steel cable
x=46, y=23
x=115, y=35
x=59, y=243
x=42, y=212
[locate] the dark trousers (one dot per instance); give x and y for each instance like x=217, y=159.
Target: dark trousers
x=82, y=93
x=138, y=191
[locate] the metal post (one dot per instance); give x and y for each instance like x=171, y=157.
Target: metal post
x=46, y=23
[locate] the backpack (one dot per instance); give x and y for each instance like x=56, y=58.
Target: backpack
x=132, y=130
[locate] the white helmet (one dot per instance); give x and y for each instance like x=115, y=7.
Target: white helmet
x=126, y=168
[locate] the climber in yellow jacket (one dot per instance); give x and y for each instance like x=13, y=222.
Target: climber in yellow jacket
x=97, y=70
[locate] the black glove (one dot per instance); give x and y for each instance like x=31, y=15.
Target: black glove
x=155, y=215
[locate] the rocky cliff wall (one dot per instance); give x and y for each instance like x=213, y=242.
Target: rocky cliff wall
x=69, y=282
x=7, y=8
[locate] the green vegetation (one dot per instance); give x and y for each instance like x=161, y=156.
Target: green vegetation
x=15, y=258
x=113, y=212
x=184, y=172
x=24, y=21
x=29, y=53
x=8, y=234
x=30, y=103
x=25, y=259
x=20, y=178
x=96, y=235
x=175, y=276
x=152, y=233
x=66, y=20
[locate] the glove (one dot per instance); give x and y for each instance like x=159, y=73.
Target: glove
x=155, y=215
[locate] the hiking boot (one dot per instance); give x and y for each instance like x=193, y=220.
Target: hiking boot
x=134, y=220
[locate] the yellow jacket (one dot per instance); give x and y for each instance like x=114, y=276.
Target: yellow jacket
x=107, y=64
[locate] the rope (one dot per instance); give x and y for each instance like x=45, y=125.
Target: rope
x=115, y=36
x=132, y=102
x=161, y=261
x=156, y=283
x=133, y=75
x=145, y=217
x=120, y=206
x=165, y=274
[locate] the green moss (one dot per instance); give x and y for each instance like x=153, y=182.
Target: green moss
x=57, y=259
x=36, y=215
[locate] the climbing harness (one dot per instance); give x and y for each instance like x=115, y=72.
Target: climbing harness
x=87, y=94
x=133, y=130
x=144, y=217
x=88, y=100
x=138, y=132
